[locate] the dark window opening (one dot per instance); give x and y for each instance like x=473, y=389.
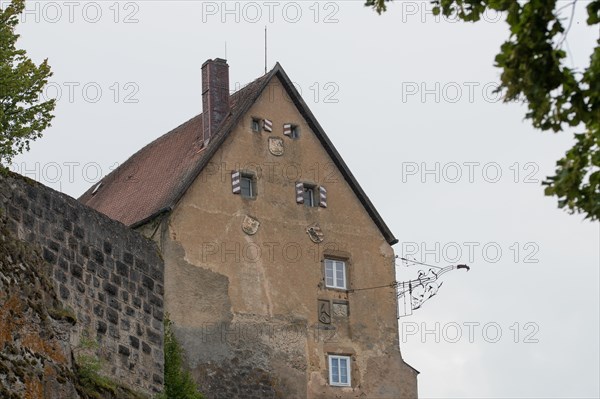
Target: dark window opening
x=309, y=196
x=295, y=132
x=247, y=186
x=255, y=125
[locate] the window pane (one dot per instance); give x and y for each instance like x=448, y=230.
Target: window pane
x=339, y=279
x=308, y=196
x=340, y=275
x=328, y=273
x=335, y=375
x=246, y=186
x=343, y=371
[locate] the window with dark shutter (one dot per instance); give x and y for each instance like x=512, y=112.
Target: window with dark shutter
x=311, y=195
x=291, y=130
x=243, y=184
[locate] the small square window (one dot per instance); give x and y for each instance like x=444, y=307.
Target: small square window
x=309, y=196
x=335, y=274
x=247, y=186
x=292, y=131
x=295, y=132
x=339, y=371
x=255, y=125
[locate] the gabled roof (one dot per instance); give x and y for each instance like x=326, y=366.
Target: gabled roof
x=154, y=179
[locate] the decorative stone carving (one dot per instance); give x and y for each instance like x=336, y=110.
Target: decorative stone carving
x=315, y=233
x=340, y=310
x=324, y=311
x=250, y=225
x=276, y=146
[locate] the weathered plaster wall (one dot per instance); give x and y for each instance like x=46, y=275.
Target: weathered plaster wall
x=110, y=276
x=245, y=306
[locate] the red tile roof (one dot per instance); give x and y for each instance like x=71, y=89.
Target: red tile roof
x=156, y=177
x=149, y=180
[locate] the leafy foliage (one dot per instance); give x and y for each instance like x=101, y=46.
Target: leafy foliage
x=558, y=97
x=89, y=367
x=22, y=116
x=178, y=381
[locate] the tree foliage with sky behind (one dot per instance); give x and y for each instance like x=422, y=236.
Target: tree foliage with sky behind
x=533, y=70
x=23, y=117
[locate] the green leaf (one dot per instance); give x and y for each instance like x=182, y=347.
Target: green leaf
x=532, y=67
x=22, y=117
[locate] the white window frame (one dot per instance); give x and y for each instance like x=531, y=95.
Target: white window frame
x=335, y=272
x=339, y=359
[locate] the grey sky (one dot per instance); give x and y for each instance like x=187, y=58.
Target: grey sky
x=399, y=95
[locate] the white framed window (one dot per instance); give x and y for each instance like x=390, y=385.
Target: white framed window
x=335, y=274
x=339, y=371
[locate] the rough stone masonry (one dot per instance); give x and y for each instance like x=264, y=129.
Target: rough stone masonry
x=109, y=275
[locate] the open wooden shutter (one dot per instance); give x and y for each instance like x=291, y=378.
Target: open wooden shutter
x=268, y=125
x=287, y=129
x=235, y=182
x=300, y=193
x=322, y=197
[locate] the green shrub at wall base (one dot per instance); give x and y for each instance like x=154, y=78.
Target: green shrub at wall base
x=178, y=381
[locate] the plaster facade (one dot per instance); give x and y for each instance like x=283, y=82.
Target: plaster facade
x=251, y=310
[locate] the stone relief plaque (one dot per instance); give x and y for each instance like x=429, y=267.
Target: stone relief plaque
x=276, y=146
x=324, y=311
x=250, y=225
x=340, y=310
x=315, y=233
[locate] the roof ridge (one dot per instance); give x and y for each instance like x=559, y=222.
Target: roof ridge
x=160, y=173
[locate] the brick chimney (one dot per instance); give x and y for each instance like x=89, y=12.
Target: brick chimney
x=215, y=96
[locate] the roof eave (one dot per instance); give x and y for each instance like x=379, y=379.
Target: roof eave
x=218, y=138
x=224, y=130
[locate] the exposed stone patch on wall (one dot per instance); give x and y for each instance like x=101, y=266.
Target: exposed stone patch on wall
x=231, y=356
x=250, y=357
x=110, y=276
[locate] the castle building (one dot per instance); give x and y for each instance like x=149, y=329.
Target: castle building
x=271, y=248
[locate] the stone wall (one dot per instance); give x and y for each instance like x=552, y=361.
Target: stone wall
x=110, y=276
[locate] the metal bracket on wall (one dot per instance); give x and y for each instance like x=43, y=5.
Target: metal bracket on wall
x=413, y=293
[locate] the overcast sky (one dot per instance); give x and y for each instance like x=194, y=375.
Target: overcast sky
x=407, y=100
